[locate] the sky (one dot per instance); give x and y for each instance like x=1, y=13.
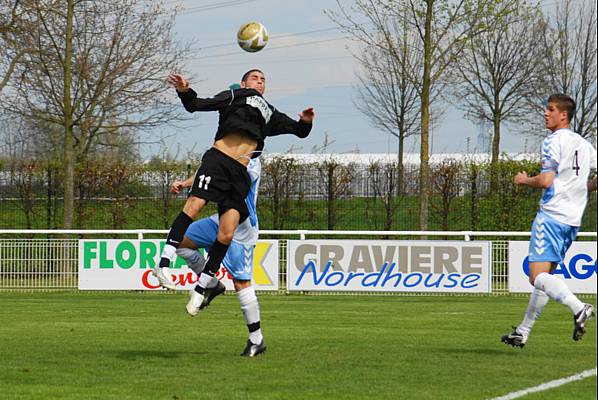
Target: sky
x=307, y=63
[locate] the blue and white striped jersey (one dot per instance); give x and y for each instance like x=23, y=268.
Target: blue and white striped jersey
x=571, y=158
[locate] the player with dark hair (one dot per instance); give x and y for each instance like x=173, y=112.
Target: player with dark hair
x=238, y=261
x=567, y=159
x=246, y=119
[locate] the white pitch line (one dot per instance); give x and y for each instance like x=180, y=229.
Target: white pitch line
x=548, y=385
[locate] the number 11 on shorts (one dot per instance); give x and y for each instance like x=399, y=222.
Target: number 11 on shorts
x=204, y=180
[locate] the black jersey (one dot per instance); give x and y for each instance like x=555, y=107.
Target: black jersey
x=245, y=111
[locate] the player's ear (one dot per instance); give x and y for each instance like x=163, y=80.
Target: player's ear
x=243, y=86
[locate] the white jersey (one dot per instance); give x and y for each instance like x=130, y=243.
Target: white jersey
x=248, y=231
x=571, y=158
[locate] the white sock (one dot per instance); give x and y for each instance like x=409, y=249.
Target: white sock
x=168, y=251
x=537, y=300
x=251, y=311
x=557, y=290
x=213, y=282
x=206, y=281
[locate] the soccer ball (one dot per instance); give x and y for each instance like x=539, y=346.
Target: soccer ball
x=252, y=37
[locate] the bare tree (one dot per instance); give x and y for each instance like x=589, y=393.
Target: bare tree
x=97, y=71
x=23, y=167
x=445, y=184
x=334, y=182
x=442, y=30
x=500, y=68
x=569, y=61
x=14, y=23
x=280, y=177
x=386, y=95
x=383, y=179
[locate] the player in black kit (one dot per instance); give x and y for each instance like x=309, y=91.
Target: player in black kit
x=245, y=120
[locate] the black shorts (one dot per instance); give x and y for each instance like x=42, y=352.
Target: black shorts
x=224, y=181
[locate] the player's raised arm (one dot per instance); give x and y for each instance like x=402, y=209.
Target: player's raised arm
x=307, y=115
x=283, y=124
x=179, y=83
x=192, y=102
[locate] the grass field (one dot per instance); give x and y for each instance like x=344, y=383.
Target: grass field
x=74, y=345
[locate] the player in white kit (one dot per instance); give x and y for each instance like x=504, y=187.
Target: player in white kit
x=567, y=159
x=238, y=261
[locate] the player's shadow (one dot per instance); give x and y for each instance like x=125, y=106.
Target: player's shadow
x=134, y=355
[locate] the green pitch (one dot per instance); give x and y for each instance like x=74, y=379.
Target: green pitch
x=143, y=346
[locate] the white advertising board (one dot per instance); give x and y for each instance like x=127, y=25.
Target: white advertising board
x=113, y=264
x=578, y=269
x=389, y=266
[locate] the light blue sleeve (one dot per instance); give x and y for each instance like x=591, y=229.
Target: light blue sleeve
x=551, y=155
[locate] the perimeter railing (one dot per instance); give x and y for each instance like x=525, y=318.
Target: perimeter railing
x=48, y=259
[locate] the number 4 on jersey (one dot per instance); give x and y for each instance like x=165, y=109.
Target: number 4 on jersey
x=576, y=164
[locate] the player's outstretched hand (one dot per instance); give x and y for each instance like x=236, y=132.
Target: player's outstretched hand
x=181, y=84
x=177, y=186
x=307, y=115
x=521, y=178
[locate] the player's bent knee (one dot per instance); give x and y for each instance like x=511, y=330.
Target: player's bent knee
x=225, y=237
x=241, y=284
x=193, y=206
x=532, y=280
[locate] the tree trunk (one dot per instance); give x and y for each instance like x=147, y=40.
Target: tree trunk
x=400, y=171
x=49, y=200
x=473, y=176
x=424, y=168
x=69, y=181
x=331, y=197
x=495, y=145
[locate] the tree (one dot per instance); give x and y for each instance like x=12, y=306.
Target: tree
x=500, y=68
x=13, y=25
x=281, y=176
x=334, y=182
x=446, y=185
x=442, y=30
x=97, y=71
x=22, y=169
x=382, y=178
x=386, y=95
x=569, y=61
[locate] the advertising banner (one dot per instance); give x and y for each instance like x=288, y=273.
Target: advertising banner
x=389, y=266
x=578, y=269
x=113, y=264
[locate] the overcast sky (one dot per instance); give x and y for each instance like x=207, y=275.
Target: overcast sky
x=307, y=62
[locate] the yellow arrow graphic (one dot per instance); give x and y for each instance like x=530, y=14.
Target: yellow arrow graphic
x=260, y=277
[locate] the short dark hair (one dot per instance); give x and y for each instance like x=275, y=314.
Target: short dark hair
x=563, y=103
x=246, y=74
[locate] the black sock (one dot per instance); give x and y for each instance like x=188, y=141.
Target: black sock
x=178, y=229
x=253, y=327
x=199, y=289
x=215, y=257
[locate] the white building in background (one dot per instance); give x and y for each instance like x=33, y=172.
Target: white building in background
x=386, y=158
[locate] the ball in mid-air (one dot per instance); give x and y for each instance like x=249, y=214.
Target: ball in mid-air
x=252, y=37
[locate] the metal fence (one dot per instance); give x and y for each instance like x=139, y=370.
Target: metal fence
x=52, y=263
x=313, y=195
